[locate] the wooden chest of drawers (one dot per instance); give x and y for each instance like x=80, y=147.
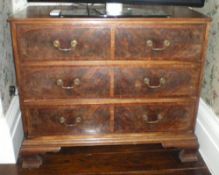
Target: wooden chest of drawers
x=96, y=81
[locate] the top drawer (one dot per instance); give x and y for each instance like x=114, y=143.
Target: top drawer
x=159, y=42
x=62, y=42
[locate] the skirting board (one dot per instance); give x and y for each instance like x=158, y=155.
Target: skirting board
x=11, y=133
x=207, y=131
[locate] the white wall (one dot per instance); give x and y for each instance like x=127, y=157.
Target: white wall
x=18, y=4
x=1, y=110
x=11, y=132
x=207, y=131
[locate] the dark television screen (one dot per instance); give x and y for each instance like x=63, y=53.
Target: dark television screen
x=193, y=3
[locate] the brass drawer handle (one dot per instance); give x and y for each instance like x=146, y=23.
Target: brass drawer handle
x=162, y=82
x=62, y=121
x=57, y=45
x=60, y=83
x=150, y=43
x=159, y=117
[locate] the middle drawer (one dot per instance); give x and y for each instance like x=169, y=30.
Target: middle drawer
x=107, y=82
x=156, y=81
x=65, y=82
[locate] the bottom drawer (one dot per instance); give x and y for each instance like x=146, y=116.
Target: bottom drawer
x=75, y=120
x=153, y=118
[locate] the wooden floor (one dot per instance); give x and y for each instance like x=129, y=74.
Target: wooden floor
x=112, y=160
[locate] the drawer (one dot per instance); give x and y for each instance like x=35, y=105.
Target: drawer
x=62, y=42
x=160, y=42
x=64, y=82
x=67, y=121
x=156, y=81
x=153, y=118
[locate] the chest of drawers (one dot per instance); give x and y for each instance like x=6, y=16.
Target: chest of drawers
x=91, y=81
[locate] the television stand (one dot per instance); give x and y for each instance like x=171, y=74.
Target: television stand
x=89, y=80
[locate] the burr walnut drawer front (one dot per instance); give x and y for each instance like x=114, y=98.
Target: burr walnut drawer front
x=92, y=119
x=156, y=81
x=65, y=82
x=62, y=42
x=153, y=118
x=160, y=42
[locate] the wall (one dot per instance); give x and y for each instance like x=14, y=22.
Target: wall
x=1, y=111
x=210, y=89
x=6, y=63
x=11, y=132
x=7, y=73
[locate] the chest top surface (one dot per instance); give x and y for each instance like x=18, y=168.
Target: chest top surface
x=131, y=13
